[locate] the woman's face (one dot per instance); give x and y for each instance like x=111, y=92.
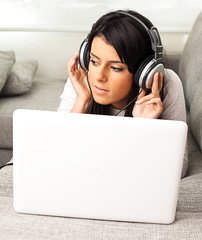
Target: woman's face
x=109, y=78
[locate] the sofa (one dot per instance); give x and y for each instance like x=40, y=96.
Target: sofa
x=44, y=95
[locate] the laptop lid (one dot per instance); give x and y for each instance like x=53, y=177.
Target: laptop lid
x=99, y=167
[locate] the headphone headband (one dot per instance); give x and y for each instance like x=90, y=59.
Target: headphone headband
x=153, y=35
x=153, y=63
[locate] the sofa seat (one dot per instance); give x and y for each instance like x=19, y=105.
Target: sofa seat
x=44, y=95
x=190, y=192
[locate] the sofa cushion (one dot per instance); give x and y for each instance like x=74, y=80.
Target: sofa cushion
x=190, y=192
x=172, y=61
x=7, y=59
x=194, y=156
x=190, y=70
x=196, y=115
x=44, y=95
x=20, y=78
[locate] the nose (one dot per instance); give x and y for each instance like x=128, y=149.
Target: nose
x=101, y=74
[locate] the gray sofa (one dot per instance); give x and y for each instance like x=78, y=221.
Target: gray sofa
x=188, y=223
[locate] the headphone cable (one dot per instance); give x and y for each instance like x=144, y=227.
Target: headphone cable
x=129, y=103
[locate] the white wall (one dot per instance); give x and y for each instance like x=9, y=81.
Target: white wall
x=50, y=31
x=53, y=49
x=168, y=15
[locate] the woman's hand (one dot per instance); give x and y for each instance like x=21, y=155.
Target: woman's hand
x=150, y=106
x=79, y=81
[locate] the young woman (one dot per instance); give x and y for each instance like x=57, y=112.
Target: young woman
x=121, y=73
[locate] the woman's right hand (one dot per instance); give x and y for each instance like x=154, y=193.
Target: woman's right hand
x=79, y=81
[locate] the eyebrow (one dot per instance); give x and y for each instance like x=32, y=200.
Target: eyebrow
x=112, y=61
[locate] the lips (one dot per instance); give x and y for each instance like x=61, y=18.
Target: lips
x=100, y=90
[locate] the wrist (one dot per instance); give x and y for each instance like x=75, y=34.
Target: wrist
x=81, y=106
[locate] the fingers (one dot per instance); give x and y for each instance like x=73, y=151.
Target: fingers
x=160, y=82
x=155, y=101
x=142, y=94
x=156, y=104
x=74, y=58
x=157, y=83
x=144, y=99
x=73, y=67
x=156, y=88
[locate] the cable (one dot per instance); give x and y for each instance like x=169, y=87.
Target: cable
x=129, y=103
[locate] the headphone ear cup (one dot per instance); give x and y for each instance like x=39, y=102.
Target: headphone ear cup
x=84, y=55
x=137, y=75
x=144, y=75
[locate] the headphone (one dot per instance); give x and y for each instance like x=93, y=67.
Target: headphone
x=153, y=63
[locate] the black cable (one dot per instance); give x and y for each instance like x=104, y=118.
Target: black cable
x=5, y=165
x=129, y=103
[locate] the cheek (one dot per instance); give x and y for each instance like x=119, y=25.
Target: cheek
x=123, y=85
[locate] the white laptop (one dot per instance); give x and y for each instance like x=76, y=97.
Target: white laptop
x=97, y=167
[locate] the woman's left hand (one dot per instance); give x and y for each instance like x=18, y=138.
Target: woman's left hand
x=150, y=106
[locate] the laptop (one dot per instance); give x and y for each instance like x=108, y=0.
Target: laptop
x=97, y=167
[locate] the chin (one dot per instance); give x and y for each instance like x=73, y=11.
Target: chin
x=101, y=101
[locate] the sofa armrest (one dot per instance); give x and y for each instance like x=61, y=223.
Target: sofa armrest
x=172, y=61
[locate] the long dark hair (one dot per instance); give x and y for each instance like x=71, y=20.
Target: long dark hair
x=131, y=42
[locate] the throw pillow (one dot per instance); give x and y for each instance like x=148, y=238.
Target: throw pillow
x=196, y=115
x=20, y=78
x=7, y=59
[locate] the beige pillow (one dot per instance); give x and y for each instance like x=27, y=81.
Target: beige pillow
x=7, y=59
x=20, y=78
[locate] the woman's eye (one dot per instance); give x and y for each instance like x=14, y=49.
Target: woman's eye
x=93, y=62
x=116, y=69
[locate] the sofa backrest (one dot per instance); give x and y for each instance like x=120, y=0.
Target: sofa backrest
x=195, y=116
x=190, y=72
x=190, y=68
